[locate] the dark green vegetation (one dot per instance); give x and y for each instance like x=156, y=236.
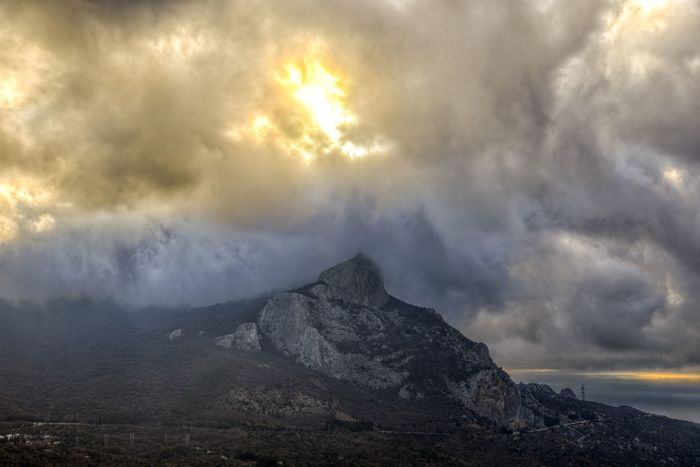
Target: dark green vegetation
x=86, y=370
x=100, y=364
x=630, y=438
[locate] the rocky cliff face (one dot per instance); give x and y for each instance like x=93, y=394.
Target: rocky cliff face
x=245, y=337
x=357, y=281
x=568, y=393
x=347, y=326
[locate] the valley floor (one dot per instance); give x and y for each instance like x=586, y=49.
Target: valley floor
x=632, y=441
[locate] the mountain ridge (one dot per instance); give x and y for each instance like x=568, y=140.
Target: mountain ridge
x=347, y=326
x=333, y=355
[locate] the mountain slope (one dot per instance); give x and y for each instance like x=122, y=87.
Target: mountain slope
x=346, y=326
x=337, y=354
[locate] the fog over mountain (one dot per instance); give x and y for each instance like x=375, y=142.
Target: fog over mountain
x=530, y=169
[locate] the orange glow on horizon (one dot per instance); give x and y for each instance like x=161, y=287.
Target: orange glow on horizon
x=642, y=375
x=659, y=376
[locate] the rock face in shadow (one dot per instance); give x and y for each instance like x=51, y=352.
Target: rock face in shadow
x=346, y=326
x=357, y=281
x=534, y=412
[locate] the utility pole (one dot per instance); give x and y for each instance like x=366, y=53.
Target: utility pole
x=131, y=440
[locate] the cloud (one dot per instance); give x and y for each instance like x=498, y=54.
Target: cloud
x=532, y=173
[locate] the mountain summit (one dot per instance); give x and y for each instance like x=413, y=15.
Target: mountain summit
x=357, y=280
x=348, y=327
x=339, y=354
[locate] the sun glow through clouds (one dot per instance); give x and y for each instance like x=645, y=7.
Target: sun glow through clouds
x=8, y=93
x=319, y=91
x=311, y=115
x=22, y=204
x=649, y=6
x=674, y=176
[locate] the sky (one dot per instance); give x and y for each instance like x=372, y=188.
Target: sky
x=528, y=168
x=673, y=395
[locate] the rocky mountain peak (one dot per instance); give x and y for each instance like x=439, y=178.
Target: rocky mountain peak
x=346, y=326
x=357, y=280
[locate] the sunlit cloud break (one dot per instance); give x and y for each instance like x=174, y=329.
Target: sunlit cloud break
x=320, y=124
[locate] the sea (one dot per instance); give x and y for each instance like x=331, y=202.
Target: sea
x=677, y=398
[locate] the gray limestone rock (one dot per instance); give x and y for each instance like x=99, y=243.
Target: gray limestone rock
x=314, y=332
x=348, y=327
x=491, y=394
x=534, y=412
x=356, y=281
x=245, y=337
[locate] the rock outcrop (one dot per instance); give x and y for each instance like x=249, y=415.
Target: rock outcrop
x=329, y=337
x=347, y=326
x=542, y=407
x=276, y=401
x=357, y=281
x=245, y=337
x=533, y=412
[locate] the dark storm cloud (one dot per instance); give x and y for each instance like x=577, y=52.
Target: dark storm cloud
x=538, y=184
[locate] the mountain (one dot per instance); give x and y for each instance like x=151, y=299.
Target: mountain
x=348, y=327
x=339, y=354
